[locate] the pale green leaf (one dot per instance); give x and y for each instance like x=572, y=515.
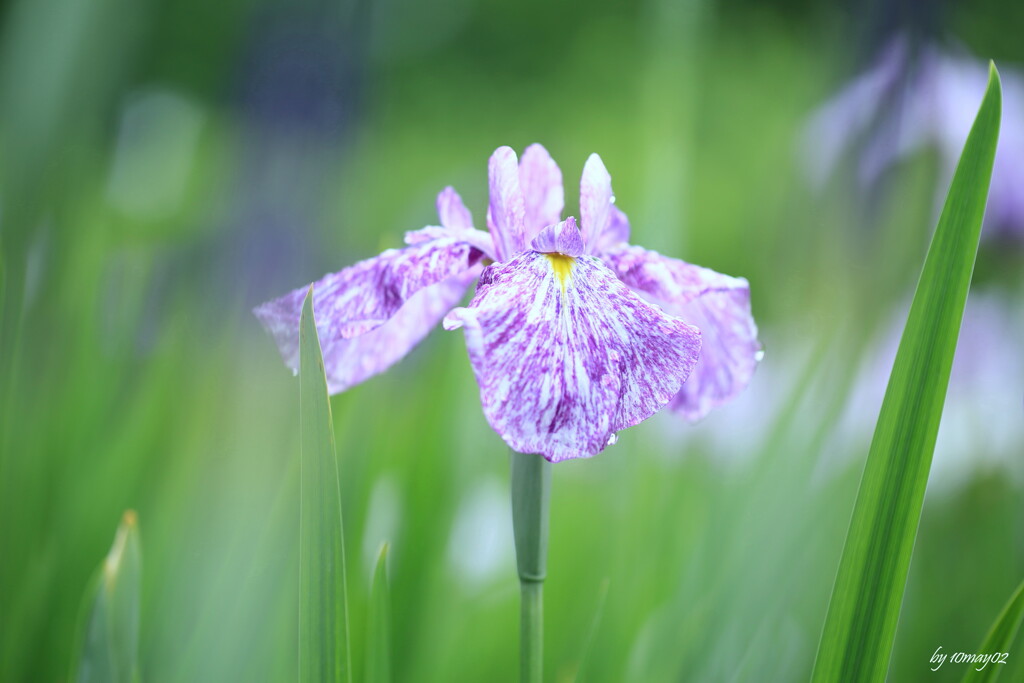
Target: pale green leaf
x=109, y=633
x=378, y=659
x=324, y=653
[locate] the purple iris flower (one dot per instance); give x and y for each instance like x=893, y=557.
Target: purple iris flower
x=573, y=333
x=915, y=98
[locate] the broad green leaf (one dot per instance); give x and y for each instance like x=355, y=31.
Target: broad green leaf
x=857, y=639
x=108, y=638
x=999, y=639
x=378, y=655
x=324, y=653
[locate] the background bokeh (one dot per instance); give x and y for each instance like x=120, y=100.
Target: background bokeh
x=167, y=165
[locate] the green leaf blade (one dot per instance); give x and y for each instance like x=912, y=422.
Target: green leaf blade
x=324, y=652
x=108, y=637
x=378, y=659
x=999, y=639
x=857, y=638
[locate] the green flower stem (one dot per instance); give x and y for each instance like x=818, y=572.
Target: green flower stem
x=531, y=493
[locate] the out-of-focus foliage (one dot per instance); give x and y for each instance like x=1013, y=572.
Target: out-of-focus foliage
x=168, y=165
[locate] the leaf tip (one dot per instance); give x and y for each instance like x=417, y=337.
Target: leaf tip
x=382, y=556
x=994, y=88
x=114, y=560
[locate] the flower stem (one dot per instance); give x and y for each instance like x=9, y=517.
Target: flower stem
x=531, y=492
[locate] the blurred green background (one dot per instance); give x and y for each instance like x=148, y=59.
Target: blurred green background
x=165, y=166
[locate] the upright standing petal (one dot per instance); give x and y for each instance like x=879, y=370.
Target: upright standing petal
x=543, y=194
x=595, y=201
x=452, y=212
x=505, y=212
x=373, y=313
x=717, y=304
x=565, y=355
x=616, y=234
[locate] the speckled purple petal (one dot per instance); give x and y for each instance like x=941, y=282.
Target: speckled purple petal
x=565, y=354
x=718, y=305
x=456, y=223
x=543, y=194
x=370, y=315
x=560, y=238
x=595, y=201
x=477, y=238
x=351, y=361
x=452, y=212
x=505, y=212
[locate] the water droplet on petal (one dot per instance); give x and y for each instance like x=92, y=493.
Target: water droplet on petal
x=613, y=439
x=759, y=355
x=612, y=200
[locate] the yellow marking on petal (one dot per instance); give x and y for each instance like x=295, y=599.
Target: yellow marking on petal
x=562, y=265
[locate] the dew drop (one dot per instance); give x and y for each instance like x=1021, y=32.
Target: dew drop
x=613, y=439
x=759, y=355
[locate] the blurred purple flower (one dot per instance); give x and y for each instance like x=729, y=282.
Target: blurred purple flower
x=912, y=99
x=983, y=418
x=565, y=351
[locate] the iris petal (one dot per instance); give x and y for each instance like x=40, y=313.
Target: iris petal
x=561, y=238
x=452, y=212
x=544, y=196
x=566, y=355
x=505, y=213
x=371, y=314
x=595, y=201
x=615, y=234
x=717, y=304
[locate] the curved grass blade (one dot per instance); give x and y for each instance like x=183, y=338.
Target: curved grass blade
x=857, y=638
x=999, y=639
x=378, y=659
x=108, y=639
x=324, y=653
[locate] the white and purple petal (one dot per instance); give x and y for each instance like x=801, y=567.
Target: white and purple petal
x=566, y=355
x=505, y=211
x=718, y=305
x=560, y=238
x=351, y=361
x=477, y=238
x=456, y=223
x=371, y=314
x=595, y=201
x=543, y=194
